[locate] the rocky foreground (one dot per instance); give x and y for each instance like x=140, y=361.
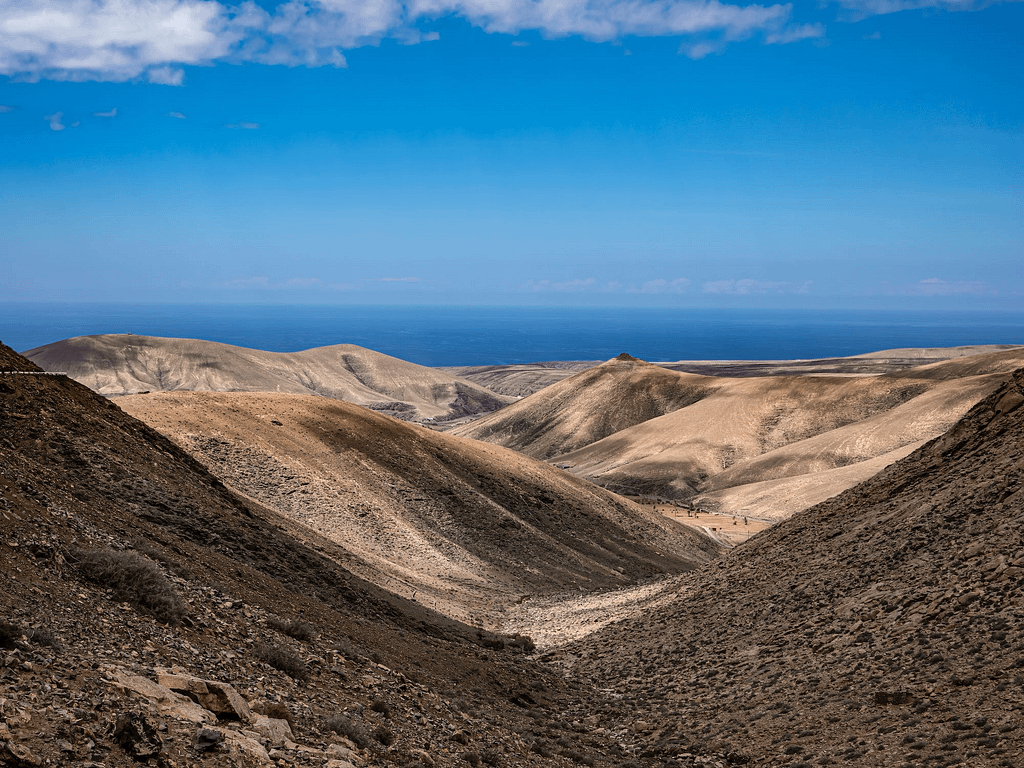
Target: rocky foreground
x=884, y=627
x=148, y=615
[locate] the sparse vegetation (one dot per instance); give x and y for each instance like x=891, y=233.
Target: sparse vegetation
x=9, y=634
x=282, y=658
x=300, y=630
x=351, y=730
x=132, y=578
x=384, y=735
x=381, y=706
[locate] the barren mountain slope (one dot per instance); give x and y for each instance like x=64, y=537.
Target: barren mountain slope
x=594, y=403
x=211, y=585
x=120, y=364
x=760, y=429
x=464, y=526
x=519, y=380
x=880, y=628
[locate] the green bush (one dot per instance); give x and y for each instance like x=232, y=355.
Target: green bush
x=134, y=579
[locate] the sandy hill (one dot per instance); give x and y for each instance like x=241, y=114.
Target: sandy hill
x=519, y=380
x=122, y=364
x=588, y=406
x=459, y=525
x=525, y=379
x=149, y=615
x=758, y=446
x=880, y=628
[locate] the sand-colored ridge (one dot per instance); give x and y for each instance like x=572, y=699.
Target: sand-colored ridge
x=588, y=406
x=877, y=628
x=458, y=525
x=766, y=446
x=122, y=364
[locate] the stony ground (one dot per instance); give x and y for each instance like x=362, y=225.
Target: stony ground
x=882, y=628
x=241, y=597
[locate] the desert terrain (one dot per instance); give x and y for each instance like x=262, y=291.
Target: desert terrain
x=464, y=527
x=328, y=585
x=124, y=364
x=762, y=446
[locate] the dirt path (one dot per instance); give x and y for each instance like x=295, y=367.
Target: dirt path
x=555, y=621
x=731, y=530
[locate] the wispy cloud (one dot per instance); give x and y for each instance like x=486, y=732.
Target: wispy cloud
x=748, y=287
x=55, y=121
x=795, y=33
x=401, y=280
x=5, y=108
x=176, y=115
x=153, y=39
x=165, y=75
x=111, y=113
x=243, y=126
x=934, y=286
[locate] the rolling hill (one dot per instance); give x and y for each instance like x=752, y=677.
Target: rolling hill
x=123, y=364
x=461, y=526
x=150, y=615
x=879, y=628
x=759, y=446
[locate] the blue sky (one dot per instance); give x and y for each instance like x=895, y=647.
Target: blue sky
x=863, y=154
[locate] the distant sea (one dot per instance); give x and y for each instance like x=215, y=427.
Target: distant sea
x=436, y=336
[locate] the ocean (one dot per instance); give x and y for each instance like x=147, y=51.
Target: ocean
x=440, y=336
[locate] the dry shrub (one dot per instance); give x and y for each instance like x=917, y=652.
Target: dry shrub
x=9, y=634
x=134, y=579
x=300, y=630
x=384, y=735
x=284, y=659
x=351, y=730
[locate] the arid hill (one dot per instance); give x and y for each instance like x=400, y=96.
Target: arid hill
x=465, y=527
x=880, y=628
x=588, y=406
x=149, y=615
x=519, y=380
x=123, y=364
x=759, y=446
x=525, y=379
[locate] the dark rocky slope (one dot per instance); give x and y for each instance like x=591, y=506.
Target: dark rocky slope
x=884, y=627
x=244, y=598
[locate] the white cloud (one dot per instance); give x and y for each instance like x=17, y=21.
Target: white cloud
x=111, y=113
x=166, y=76
x=153, y=39
x=698, y=51
x=934, y=286
x=520, y=44
x=796, y=33
x=176, y=115
x=55, y=121
x=863, y=8
x=748, y=287
x=5, y=108
x=400, y=280
x=243, y=126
